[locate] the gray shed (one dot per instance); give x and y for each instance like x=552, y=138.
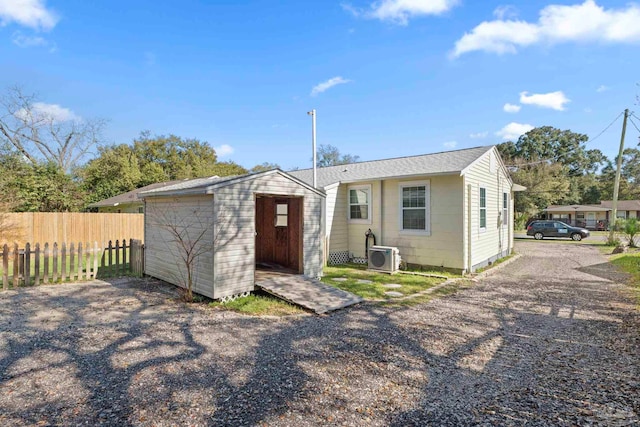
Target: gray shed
x=231, y=226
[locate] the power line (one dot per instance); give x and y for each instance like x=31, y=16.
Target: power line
x=605, y=129
x=634, y=123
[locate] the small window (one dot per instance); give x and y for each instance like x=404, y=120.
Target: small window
x=621, y=214
x=505, y=209
x=414, y=206
x=282, y=214
x=360, y=204
x=141, y=209
x=483, y=208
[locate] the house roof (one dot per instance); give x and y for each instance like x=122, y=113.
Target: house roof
x=130, y=196
x=208, y=185
x=623, y=205
x=576, y=208
x=604, y=206
x=443, y=163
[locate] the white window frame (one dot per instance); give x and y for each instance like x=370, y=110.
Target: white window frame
x=367, y=188
x=505, y=209
x=427, y=201
x=481, y=208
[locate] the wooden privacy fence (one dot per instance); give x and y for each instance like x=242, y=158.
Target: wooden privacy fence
x=68, y=226
x=61, y=263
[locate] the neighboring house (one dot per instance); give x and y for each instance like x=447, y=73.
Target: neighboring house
x=128, y=202
x=264, y=219
x=451, y=209
x=596, y=217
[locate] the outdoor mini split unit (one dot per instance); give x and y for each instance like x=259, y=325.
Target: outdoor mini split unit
x=384, y=258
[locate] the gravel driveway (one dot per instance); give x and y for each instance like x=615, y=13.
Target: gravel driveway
x=548, y=340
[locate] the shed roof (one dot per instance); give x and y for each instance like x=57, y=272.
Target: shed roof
x=443, y=163
x=130, y=196
x=208, y=185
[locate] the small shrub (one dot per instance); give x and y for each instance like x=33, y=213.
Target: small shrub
x=631, y=230
x=613, y=240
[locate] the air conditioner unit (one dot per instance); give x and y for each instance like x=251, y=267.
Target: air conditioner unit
x=384, y=258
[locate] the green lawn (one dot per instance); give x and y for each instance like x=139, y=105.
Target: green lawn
x=259, y=304
x=630, y=263
x=355, y=278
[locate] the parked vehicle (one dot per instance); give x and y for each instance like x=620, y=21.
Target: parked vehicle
x=541, y=229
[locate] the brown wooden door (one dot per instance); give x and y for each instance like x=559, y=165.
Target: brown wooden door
x=279, y=231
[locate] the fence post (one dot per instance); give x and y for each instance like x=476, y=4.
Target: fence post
x=45, y=275
x=55, y=262
x=16, y=265
x=5, y=267
x=123, y=269
x=110, y=249
x=26, y=274
x=36, y=280
x=72, y=259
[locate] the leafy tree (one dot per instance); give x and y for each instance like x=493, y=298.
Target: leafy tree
x=151, y=159
x=45, y=133
x=328, y=155
x=547, y=184
x=266, y=166
x=631, y=230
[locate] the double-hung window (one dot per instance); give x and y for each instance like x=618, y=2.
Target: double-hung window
x=360, y=204
x=483, y=208
x=505, y=209
x=414, y=207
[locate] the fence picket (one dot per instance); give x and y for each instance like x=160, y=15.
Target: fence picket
x=72, y=258
x=36, y=279
x=55, y=262
x=95, y=260
x=110, y=248
x=5, y=267
x=80, y=259
x=45, y=274
x=63, y=263
x=26, y=272
x=16, y=266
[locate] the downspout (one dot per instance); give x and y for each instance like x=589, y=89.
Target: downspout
x=382, y=212
x=469, y=227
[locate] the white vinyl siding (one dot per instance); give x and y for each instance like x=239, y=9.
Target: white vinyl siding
x=505, y=209
x=336, y=226
x=483, y=208
x=360, y=204
x=415, y=207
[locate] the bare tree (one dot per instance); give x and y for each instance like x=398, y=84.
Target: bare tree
x=46, y=132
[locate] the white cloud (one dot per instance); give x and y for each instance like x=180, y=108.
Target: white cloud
x=553, y=100
x=505, y=11
x=223, y=150
x=602, y=88
x=513, y=131
x=48, y=112
x=450, y=144
x=24, y=41
x=511, y=108
x=479, y=135
x=324, y=86
x=400, y=11
x=28, y=13
x=586, y=22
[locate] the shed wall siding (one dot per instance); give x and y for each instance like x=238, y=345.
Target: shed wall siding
x=193, y=215
x=337, y=231
x=234, y=216
x=496, y=239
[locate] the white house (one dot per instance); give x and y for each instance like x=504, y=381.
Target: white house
x=450, y=209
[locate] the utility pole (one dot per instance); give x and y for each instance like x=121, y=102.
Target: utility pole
x=312, y=113
x=616, y=184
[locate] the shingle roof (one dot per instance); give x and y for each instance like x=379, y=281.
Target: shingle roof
x=191, y=184
x=576, y=208
x=426, y=164
x=623, y=205
x=130, y=196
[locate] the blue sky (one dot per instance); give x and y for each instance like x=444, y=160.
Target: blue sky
x=388, y=78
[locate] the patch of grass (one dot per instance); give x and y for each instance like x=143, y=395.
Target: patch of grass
x=259, y=304
x=448, y=289
x=495, y=263
x=629, y=262
x=369, y=284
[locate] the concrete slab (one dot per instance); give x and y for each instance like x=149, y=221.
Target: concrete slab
x=308, y=293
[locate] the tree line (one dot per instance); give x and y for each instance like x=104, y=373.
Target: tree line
x=557, y=167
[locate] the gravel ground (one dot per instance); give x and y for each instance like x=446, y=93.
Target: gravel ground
x=550, y=339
